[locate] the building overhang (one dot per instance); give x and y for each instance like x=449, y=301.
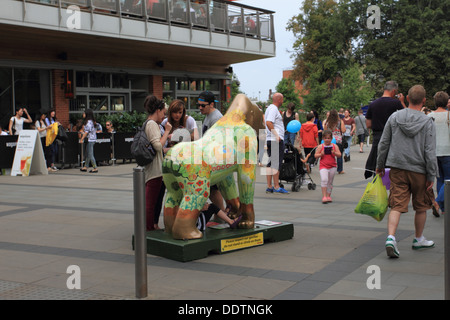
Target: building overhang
x=39, y=33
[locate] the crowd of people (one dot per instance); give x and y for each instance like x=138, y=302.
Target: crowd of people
x=412, y=141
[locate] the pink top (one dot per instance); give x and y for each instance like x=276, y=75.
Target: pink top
x=328, y=161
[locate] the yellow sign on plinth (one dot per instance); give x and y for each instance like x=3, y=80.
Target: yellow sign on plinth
x=242, y=242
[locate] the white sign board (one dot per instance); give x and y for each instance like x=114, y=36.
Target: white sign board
x=29, y=157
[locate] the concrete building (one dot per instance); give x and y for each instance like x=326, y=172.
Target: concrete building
x=109, y=54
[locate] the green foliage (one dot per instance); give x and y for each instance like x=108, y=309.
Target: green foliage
x=411, y=47
x=352, y=93
x=331, y=36
x=123, y=121
x=290, y=93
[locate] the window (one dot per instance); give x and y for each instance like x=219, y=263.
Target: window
x=105, y=92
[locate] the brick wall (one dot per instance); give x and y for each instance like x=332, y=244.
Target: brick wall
x=60, y=103
x=156, y=86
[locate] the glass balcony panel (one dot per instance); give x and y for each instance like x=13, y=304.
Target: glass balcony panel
x=133, y=7
x=108, y=5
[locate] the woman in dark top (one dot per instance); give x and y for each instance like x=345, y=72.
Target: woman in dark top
x=288, y=116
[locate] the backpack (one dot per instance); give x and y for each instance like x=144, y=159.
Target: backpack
x=141, y=149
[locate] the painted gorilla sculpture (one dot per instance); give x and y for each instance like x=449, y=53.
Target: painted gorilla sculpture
x=190, y=168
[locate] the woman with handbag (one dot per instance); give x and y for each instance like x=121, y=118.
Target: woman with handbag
x=53, y=148
x=16, y=122
x=337, y=127
x=156, y=110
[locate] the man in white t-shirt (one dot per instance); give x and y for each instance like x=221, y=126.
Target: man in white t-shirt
x=275, y=143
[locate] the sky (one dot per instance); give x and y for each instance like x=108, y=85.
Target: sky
x=258, y=77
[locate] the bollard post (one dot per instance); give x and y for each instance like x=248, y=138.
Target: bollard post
x=140, y=239
x=447, y=239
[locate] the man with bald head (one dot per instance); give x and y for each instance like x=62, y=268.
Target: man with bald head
x=275, y=144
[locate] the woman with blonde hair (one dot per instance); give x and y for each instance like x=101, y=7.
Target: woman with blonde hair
x=178, y=118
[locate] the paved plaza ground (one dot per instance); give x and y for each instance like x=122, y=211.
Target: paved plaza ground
x=48, y=223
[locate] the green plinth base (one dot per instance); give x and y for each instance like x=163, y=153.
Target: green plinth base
x=216, y=241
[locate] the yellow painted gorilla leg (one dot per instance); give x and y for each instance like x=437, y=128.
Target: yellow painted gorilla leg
x=173, y=199
x=229, y=192
x=185, y=224
x=246, y=183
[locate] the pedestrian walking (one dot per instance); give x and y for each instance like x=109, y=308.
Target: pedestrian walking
x=327, y=152
x=91, y=132
x=361, y=129
x=408, y=147
x=442, y=122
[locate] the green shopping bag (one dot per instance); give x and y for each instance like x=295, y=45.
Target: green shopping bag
x=374, y=201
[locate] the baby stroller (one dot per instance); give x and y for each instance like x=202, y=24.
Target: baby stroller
x=293, y=169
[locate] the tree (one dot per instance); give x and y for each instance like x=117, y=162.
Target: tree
x=290, y=93
x=411, y=47
x=323, y=46
x=352, y=91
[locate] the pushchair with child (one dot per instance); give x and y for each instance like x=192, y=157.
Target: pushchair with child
x=293, y=169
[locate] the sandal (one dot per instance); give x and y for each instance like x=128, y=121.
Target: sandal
x=83, y=169
x=93, y=171
x=435, y=209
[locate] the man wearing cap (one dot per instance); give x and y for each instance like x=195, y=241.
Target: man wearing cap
x=205, y=103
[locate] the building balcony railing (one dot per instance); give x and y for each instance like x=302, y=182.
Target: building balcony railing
x=211, y=15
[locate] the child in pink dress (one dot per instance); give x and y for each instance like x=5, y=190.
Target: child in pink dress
x=327, y=152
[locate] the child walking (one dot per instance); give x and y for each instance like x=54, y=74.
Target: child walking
x=327, y=152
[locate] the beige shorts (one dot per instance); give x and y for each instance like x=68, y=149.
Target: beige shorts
x=404, y=184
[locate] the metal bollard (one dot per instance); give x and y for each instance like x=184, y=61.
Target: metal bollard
x=140, y=240
x=447, y=239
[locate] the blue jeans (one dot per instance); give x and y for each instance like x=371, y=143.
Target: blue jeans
x=90, y=155
x=289, y=137
x=339, y=161
x=349, y=142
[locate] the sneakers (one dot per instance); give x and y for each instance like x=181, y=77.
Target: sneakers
x=391, y=248
x=422, y=244
x=280, y=190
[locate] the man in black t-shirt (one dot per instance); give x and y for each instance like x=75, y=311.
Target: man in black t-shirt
x=376, y=117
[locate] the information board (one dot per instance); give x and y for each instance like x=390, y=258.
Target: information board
x=29, y=156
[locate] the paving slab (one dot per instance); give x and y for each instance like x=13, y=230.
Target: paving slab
x=48, y=223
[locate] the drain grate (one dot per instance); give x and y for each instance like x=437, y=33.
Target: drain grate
x=19, y=291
